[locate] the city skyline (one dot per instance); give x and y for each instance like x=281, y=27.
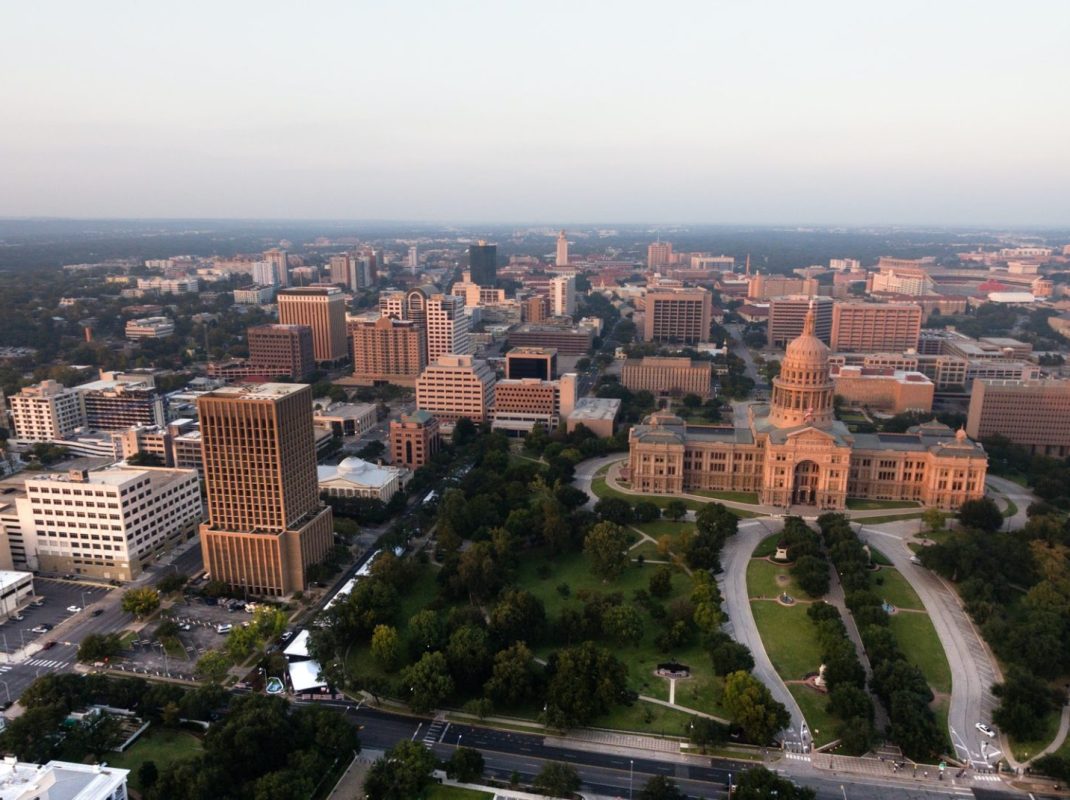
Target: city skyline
x=722, y=113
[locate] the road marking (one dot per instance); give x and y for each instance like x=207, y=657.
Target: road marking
x=417, y=731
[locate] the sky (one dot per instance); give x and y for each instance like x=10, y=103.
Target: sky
x=716, y=111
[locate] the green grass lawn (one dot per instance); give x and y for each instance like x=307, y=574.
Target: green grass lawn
x=918, y=640
x=732, y=497
x=164, y=746
x=663, y=527
x=601, y=489
x=646, y=717
x=702, y=694
x=879, y=520
x=813, y=703
x=438, y=791
x=896, y=590
x=1010, y=510
x=789, y=638
x=1043, y=733
x=767, y=546
x=877, y=557
x=762, y=580
x=860, y=504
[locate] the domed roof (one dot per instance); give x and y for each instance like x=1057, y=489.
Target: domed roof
x=807, y=347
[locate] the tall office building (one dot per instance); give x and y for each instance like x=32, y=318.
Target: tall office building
x=659, y=254
x=265, y=273
x=456, y=386
x=483, y=263
x=531, y=362
x=447, y=327
x=562, y=250
x=1032, y=414
x=282, y=350
x=113, y=404
x=342, y=273
x=323, y=309
x=387, y=350
x=875, y=327
x=563, y=295
x=281, y=261
x=414, y=259
x=787, y=314
x=678, y=315
x=265, y=523
x=45, y=412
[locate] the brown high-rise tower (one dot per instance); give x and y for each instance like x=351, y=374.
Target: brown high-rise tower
x=265, y=522
x=322, y=308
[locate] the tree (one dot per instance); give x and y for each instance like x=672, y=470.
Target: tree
x=464, y=431
x=519, y=616
x=615, y=510
x=213, y=666
x=752, y=707
x=386, y=646
x=141, y=602
x=982, y=514
x=759, y=783
x=646, y=511
x=557, y=780
x=428, y=682
x=469, y=656
x=606, y=545
x=585, y=681
x=99, y=733
x=703, y=731
x=660, y=583
x=728, y=655
x=465, y=765
x=675, y=510
x=427, y=631
x=512, y=679
x=147, y=775
x=402, y=773
x=933, y=519
x=172, y=582
x=812, y=574
x=623, y=624
x=479, y=572
x=99, y=647
x=661, y=788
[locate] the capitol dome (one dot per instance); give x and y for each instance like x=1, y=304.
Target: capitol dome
x=802, y=393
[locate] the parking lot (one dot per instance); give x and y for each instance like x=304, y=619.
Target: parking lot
x=146, y=655
x=57, y=595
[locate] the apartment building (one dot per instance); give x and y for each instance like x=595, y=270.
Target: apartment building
x=673, y=376
x=872, y=327
x=563, y=295
x=1034, y=414
x=111, y=523
x=119, y=402
x=46, y=412
x=323, y=309
x=678, y=315
x=456, y=386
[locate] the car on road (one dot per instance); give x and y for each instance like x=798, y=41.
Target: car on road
x=287, y=636
x=44, y=627
x=987, y=731
x=915, y=560
x=74, y=609
x=225, y=628
x=48, y=645
x=185, y=626
x=17, y=617
x=38, y=603
x=96, y=612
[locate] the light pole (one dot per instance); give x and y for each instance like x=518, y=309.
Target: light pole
x=844, y=792
x=83, y=602
x=8, y=691
x=459, y=741
x=631, y=769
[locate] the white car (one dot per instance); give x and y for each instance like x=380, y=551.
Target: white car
x=226, y=628
x=74, y=609
x=987, y=731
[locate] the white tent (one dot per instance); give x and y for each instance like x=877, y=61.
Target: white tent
x=304, y=676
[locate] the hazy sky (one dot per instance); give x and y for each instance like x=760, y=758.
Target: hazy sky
x=717, y=111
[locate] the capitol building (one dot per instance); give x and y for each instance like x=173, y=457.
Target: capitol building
x=793, y=451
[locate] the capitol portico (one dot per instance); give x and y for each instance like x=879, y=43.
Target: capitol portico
x=793, y=451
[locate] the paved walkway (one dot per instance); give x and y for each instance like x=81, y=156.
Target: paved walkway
x=733, y=583
x=1060, y=737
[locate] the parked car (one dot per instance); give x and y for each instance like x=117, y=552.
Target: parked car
x=185, y=626
x=224, y=628
x=96, y=612
x=987, y=731
x=74, y=609
x=48, y=645
x=287, y=636
x=40, y=601
x=44, y=627
x=17, y=617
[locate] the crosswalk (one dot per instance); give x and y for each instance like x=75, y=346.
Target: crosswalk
x=435, y=731
x=798, y=756
x=988, y=777
x=46, y=662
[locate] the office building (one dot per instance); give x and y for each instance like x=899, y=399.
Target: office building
x=902, y=280
x=61, y=780
x=671, y=376
x=786, y=315
x=677, y=315
x=265, y=525
x=117, y=402
x=265, y=273
x=562, y=250
x=708, y=263
x=281, y=263
x=149, y=328
x=531, y=362
x=342, y=270
x=1034, y=414
x=534, y=309
x=346, y=419
x=563, y=295
x=872, y=327
x=160, y=285
x=323, y=309
x=597, y=414
x=414, y=439
x=845, y=264
x=891, y=391
x=659, y=254
x=111, y=523
x=254, y=295
x=282, y=350
x=521, y=404
x=792, y=451
x=476, y=295
x=387, y=350
x=568, y=341
x=456, y=386
x=46, y=412
x=447, y=327
x=483, y=263
x=765, y=287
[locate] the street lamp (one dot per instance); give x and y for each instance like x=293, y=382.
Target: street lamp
x=8, y=691
x=844, y=792
x=631, y=769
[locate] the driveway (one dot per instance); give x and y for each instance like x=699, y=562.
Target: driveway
x=585, y=472
x=1019, y=495
x=973, y=668
x=741, y=626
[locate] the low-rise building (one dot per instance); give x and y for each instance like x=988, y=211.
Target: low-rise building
x=60, y=780
x=16, y=590
x=414, y=439
x=354, y=477
x=597, y=414
x=671, y=376
x=568, y=341
x=149, y=328
x=346, y=419
x=891, y=390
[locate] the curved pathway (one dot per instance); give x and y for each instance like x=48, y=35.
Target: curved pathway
x=1019, y=495
x=973, y=668
x=733, y=582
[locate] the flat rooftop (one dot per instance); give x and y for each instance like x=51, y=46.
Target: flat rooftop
x=596, y=408
x=257, y=391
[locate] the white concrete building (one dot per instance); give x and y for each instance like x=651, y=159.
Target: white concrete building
x=60, y=780
x=169, y=285
x=254, y=295
x=149, y=328
x=110, y=523
x=16, y=589
x=354, y=477
x=346, y=419
x=46, y=412
x=563, y=295
x=447, y=327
